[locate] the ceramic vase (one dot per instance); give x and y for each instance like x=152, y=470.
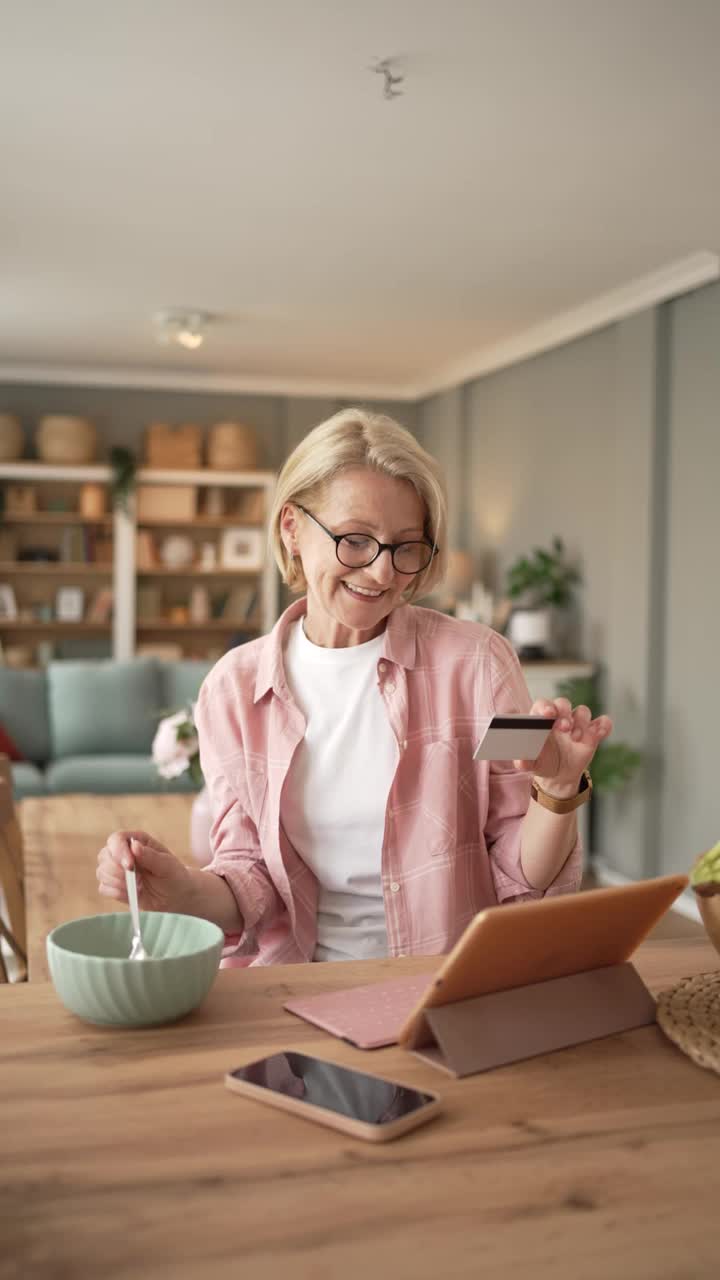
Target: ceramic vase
x=200, y=823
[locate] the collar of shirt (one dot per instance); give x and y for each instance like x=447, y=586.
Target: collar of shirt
x=400, y=647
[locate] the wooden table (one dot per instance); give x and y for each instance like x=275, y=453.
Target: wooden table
x=124, y=1157
x=62, y=837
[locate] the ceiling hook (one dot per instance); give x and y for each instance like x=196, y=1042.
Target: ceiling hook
x=387, y=68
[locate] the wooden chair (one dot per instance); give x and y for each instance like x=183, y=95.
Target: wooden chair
x=11, y=877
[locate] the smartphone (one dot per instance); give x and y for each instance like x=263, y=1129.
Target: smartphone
x=514, y=737
x=361, y=1105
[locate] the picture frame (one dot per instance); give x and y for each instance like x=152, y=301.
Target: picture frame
x=70, y=604
x=8, y=603
x=242, y=549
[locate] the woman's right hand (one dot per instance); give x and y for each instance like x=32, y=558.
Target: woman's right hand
x=163, y=881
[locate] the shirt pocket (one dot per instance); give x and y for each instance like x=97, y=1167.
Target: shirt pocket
x=437, y=795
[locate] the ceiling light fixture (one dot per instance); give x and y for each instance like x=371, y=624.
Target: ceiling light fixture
x=386, y=68
x=184, y=328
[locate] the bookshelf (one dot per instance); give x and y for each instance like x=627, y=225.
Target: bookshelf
x=183, y=571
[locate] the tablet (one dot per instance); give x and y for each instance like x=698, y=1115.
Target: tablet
x=528, y=942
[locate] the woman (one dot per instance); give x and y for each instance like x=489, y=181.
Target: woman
x=350, y=819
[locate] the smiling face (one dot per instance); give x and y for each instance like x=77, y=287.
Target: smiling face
x=349, y=606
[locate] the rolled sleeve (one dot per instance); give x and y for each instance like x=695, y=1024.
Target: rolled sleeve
x=237, y=853
x=509, y=797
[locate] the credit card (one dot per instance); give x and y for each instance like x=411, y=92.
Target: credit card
x=514, y=737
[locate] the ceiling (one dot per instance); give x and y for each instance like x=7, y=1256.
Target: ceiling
x=547, y=160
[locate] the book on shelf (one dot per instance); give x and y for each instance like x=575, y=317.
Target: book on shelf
x=72, y=545
x=8, y=546
x=248, y=505
x=199, y=603
x=145, y=554
x=239, y=603
x=148, y=603
x=100, y=609
x=103, y=550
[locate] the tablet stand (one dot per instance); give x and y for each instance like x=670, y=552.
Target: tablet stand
x=507, y=1026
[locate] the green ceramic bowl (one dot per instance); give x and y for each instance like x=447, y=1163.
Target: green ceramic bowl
x=94, y=978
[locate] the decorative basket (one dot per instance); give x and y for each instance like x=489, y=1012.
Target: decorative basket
x=689, y=1014
x=232, y=446
x=173, y=446
x=11, y=437
x=65, y=440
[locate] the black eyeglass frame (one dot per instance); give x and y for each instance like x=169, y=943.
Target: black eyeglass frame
x=392, y=547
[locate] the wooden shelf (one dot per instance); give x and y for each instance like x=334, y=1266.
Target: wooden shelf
x=199, y=522
x=58, y=518
x=54, y=568
x=198, y=573
x=246, y=503
x=206, y=477
x=215, y=624
x=59, y=628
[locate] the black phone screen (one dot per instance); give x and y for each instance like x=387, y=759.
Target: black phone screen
x=323, y=1084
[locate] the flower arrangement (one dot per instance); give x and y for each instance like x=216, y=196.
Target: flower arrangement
x=175, y=748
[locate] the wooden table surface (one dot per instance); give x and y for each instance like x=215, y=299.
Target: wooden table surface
x=62, y=836
x=124, y=1157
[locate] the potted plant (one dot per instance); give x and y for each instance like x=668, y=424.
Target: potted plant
x=123, y=464
x=539, y=585
x=614, y=763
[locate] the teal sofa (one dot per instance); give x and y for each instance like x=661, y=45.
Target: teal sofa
x=88, y=726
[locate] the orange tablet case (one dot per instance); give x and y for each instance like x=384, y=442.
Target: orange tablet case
x=532, y=977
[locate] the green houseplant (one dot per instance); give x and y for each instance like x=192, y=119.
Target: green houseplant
x=123, y=465
x=539, y=586
x=545, y=578
x=614, y=763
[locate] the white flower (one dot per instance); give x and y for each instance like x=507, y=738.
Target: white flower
x=172, y=754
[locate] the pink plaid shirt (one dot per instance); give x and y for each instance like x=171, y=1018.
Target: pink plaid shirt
x=452, y=825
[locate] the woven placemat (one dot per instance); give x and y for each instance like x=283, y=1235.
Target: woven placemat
x=689, y=1014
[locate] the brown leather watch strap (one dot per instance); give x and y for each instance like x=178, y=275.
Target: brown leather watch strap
x=563, y=806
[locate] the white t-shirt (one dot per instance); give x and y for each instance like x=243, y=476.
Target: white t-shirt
x=335, y=794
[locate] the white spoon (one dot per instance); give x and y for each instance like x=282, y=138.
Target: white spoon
x=137, y=951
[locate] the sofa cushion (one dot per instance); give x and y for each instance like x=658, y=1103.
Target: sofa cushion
x=28, y=780
x=111, y=774
x=103, y=706
x=180, y=682
x=24, y=711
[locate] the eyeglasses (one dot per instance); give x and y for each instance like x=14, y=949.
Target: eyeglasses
x=358, y=550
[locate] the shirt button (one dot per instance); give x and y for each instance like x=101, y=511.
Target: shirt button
x=389, y=687
x=394, y=887
x=401, y=954
x=382, y=666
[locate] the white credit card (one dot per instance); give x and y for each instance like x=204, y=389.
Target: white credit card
x=514, y=737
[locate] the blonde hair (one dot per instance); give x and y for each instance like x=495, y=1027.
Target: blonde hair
x=357, y=438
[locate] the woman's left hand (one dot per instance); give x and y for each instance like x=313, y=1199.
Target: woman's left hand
x=570, y=747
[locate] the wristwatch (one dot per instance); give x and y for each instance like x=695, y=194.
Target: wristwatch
x=563, y=806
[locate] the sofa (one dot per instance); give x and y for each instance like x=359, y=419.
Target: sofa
x=88, y=726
